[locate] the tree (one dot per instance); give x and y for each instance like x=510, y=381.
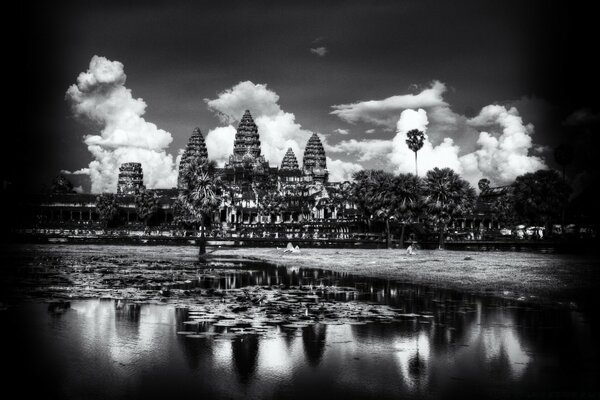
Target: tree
x=200, y=194
x=408, y=200
x=146, y=205
x=539, y=197
x=447, y=196
x=340, y=196
x=563, y=154
x=382, y=197
x=60, y=184
x=361, y=192
x=483, y=184
x=107, y=207
x=502, y=207
x=415, y=141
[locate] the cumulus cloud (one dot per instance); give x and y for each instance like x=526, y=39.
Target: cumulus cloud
x=500, y=151
x=369, y=131
x=443, y=122
x=100, y=96
x=366, y=149
x=340, y=171
x=402, y=157
x=385, y=112
x=231, y=103
x=504, y=145
x=320, y=51
x=219, y=143
x=342, y=131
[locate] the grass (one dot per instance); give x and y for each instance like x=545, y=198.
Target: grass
x=511, y=274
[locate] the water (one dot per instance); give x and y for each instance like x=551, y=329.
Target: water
x=455, y=344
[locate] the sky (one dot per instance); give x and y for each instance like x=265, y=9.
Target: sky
x=496, y=86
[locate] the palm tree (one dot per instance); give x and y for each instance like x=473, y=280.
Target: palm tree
x=483, y=184
x=375, y=196
x=361, y=192
x=107, y=207
x=146, y=206
x=415, y=141
x=539, y=197
x=447, y=196
x=200, y=195
x=563, y=155
x=408, y=200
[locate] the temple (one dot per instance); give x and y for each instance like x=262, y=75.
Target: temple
x=306, y=211
x=262, y=201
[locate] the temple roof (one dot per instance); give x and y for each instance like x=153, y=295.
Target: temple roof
x=314, y=154
x=289, y=160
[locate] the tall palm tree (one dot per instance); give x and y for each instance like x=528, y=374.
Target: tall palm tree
x=200, y=195
x=563, y=154
x=447, y=196
x=361, y=194
x=415, y=141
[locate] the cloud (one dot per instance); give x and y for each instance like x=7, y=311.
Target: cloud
x=342, y=131
x=219, y=143
x=500, y=146
x=385, y=112
x=402, y=157
x=443, y=122
x=231, y=103
x=369, y=131
x=340, y=171
x=320, y=51
x=100, y=96
x=366, y=149
x=278, y=129
x=581, y=117
x=503, y=152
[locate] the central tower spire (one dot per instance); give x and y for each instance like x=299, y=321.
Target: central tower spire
x=246, y=138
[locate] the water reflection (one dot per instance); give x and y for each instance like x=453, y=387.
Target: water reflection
x=444, y=342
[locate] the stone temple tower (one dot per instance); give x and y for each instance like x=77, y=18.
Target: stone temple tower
x=195, y=148
x=131, y=178
x=246, y=146
x=289, y=160
x=314, y=160
x=246, y=138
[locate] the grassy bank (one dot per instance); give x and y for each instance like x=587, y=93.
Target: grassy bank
x=511, y=274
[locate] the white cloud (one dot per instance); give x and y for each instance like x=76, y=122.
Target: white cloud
x=101, y=97
x=340, y=171
x=402, y=157
x=366, y=149
x=385, y=112
x=500, y=154
x=231, y=103
x=342, y=131
x=503, y=152
x=219, y=143
x=320, y=51
x=369, y=131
